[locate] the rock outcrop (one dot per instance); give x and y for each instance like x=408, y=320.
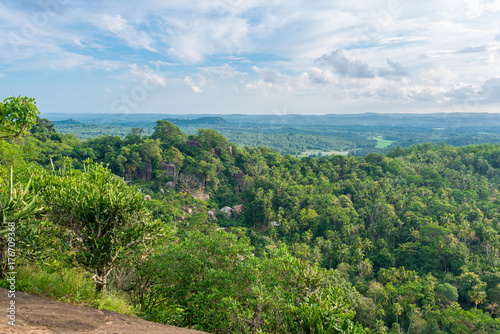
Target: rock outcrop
x=212, y=214
x=237, y=209
x=193, y=143
x=227, y=211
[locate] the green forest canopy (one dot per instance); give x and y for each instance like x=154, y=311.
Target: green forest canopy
x=412, y=237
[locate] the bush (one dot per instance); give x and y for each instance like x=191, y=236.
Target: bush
x=213, y=282
x=107, y=218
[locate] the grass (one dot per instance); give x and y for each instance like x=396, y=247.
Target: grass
x=71, y=286
x=382, y=143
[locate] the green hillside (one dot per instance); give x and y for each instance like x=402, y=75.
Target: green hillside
x=228, y=239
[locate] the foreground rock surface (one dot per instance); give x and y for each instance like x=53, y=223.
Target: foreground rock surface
x=38, y=315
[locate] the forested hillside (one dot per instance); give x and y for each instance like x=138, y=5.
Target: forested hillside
x=305, y=135
x=407, y=242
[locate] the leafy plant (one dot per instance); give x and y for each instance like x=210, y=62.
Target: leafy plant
x=17, y=203
x=17, y=115
x=106, y=218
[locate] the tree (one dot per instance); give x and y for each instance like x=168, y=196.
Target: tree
x=135, y=136
x=380, y=328
x=467, y=282
x=414, y=315
x=212, y=281
x=477, y=295
x=168, y=134
x=187, y=183
x=375, y=287
x=106, y=217
x=398, y=309
x=447, y=293
x=17, y=116
x=493, y=308
x=174, y=156
x=211, y=139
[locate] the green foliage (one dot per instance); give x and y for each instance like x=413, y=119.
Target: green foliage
x=455, y=320
x=447, y=293
x=17, y=115
x=18, y=202
x=414, y=230
x=167, y=133
x=214, y=283
x=324, y=312
x=106, y=217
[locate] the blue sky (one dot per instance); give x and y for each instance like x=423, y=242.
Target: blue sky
x=252, y=56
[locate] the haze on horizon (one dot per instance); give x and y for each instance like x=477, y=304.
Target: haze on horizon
x=252, y=56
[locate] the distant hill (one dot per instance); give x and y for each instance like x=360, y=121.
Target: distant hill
x=358, y=134
x=202, y=121
x=67, y=122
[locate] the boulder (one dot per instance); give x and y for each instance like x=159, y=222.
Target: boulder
x=193, y=143
x=201, y=195
x=237, y=209
x=171, y=184
x=147, y=172
x=212, y=214
x=227, y=211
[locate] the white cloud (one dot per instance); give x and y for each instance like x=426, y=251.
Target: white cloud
x=147, y=76
x=439, y=76
x=344, y=66
x=191, y=41
x=491, y=89
x=401, y=52
x=195, y=87
x=122, y=29
x=321, y=76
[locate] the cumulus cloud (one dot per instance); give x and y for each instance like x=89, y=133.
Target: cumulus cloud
x=438, y=76
x=297, y=47
x=491, y=89
x=351, y=68
x=394, y=71
x=321, y=76
x=344, y=66
x=273, y=81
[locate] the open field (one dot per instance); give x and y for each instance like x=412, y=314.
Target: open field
x=382, y=143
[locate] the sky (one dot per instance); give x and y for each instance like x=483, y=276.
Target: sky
x=252, y=56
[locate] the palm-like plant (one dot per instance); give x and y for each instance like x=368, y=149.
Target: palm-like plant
x=17, y=203
x=477, y=294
